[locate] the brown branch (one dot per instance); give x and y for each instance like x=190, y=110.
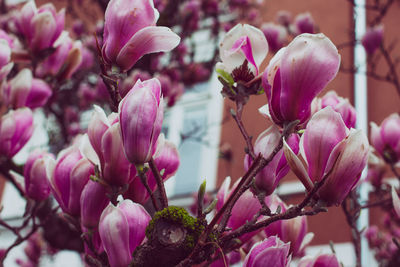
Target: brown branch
x=4, y=170
x=238, y=118
x=352, y=215
x=157, y=176
x=292, y=212
x=392, y=69
x=143, y=179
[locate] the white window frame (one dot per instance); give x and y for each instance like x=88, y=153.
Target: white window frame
x=174, y=118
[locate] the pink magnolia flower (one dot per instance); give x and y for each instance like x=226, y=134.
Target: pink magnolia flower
x=167, y=161
x=141, y=114
x=25, y=91
x=122, y=229
x=268, y=178
x=242, y=43
x=304, y=23
x=272, y=252
x=66, y=59
x=339, y=104
x=41, y=27
x=130, y=32
x=372, y=39
x=322, y=260
x=329, y=147
x=16, y=128
x=36, y=183
x=105, y=149
x=93, y=201
x=385, y=138
x=68, y=175
x=296, y=74
x=276, y=35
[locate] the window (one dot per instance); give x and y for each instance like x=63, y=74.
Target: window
x=193, y=125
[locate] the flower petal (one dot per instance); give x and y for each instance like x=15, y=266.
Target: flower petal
x=148, y=40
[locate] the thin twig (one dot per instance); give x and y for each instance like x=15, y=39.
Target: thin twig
x=352, y=215
x=392, y=68
x=238, y=118
x=143, y=179
x=163, y=195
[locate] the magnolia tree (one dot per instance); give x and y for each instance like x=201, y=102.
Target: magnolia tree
x=99, y=190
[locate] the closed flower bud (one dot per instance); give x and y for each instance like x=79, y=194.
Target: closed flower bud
x=276, y=35
x=271, y=252
x=329, y=148
x=385, y=138
x=16, y=128
x=268, y=178
x=141, y=115
x=105, y=139
x=323, y=260
x=372, y=39
x=243, y=43
x=93, y=201
x=36, y=183
x=122, y=229
x=130, y=32
x=304, y=23
x=338, y=104
x=284, y=18
x=25, y=91
x=40, y=27
x=68, y=175
x=296, y=74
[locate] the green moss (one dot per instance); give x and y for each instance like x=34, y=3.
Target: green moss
x=180, y=216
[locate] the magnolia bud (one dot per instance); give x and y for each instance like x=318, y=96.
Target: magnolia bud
x=122, y=229
x=296, y=74
x=130, y=24
x=141, y=115
x=385, y=138
x=271, y=252
x=36, y=184
x=372, y=39
x=68, y=175
x=41, y=27
x=16, y=128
